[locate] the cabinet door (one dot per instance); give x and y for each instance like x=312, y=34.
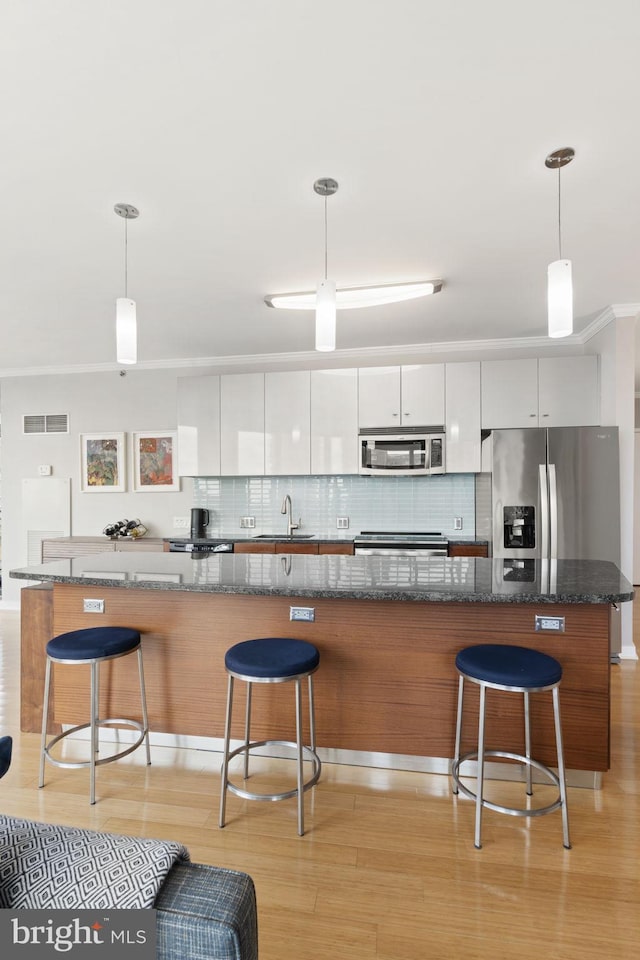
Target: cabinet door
x=569, y=391
x=462, y=399
x=257, y=547
x=379, y=396
x=422, y=395
x=509, y=393
x=287, y=423
x=199, y=426
x=334, y=421
x=307, y=548
x=242, y=425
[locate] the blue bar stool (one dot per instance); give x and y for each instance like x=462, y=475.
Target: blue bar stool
x=519, y=670
x=271, y=660
x=94, y=646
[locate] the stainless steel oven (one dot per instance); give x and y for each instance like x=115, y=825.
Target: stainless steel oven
x=384, y=543
x=391, y=453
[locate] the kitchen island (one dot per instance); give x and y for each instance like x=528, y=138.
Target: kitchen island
x=388, y=630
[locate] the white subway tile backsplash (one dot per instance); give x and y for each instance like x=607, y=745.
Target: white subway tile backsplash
x=371, y=503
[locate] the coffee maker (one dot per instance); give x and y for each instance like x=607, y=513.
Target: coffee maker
x=199, y=521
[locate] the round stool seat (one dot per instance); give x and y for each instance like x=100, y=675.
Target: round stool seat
x=93, y=643
x=509, y=666
x=272, y=658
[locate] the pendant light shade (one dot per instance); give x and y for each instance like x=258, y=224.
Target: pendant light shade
x=560, y=298
x=126, y=331
x=559, y=281
x=326, y=316
x=126, y=324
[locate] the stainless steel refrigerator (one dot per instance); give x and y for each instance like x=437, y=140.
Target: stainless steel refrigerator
x=555, y=494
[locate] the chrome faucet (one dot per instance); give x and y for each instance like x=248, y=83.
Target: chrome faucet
x=286, y=509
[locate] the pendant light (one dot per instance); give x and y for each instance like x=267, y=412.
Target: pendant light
x=559, y=282
x=326, y=292
x=126, y=326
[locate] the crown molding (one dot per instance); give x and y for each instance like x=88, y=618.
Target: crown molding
x=311, y=359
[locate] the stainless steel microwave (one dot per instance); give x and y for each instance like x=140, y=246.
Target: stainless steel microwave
x=395, y=454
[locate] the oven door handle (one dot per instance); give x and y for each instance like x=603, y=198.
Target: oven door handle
x=395, y=552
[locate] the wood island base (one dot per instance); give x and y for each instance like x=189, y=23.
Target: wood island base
x=386, y=683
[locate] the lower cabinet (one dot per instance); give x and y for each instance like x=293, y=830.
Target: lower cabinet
x=64, y=548
x=468, y=550
x=281, y=546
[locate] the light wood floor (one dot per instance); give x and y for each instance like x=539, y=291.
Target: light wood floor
x=387, y=868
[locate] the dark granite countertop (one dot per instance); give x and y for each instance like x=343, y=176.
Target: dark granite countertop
x=441, y=579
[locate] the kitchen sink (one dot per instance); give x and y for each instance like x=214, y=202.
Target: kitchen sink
x=275, y=536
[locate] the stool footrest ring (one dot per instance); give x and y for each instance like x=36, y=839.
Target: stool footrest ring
x=309, y=755
x=519, y=758
x=75, y=764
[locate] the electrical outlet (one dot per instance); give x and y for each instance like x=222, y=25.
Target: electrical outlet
x=181, y=523
x=302, y=613
x=246, y=522
x=457, y=523
x=550, y=624
x=342, y=523
x=92, y=606
x=44, y=470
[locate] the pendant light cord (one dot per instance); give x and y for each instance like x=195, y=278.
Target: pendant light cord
x=559, y=220
x=325, y=238
x=125, y=258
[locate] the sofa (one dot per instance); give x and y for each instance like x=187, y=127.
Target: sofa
x=202, y=912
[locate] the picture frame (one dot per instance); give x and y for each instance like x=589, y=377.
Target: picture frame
x=102, y=462
x=155, y=462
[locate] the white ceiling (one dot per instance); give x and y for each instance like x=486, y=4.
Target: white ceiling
x=215, y=118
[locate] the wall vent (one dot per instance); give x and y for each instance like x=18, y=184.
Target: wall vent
x=39, y=423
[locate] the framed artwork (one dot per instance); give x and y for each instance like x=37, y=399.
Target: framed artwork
x=102, y=459
x=155, y=461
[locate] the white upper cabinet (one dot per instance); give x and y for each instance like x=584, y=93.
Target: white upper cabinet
x=509, y=394
x=242, y=424
x=411, y=395
x=547, y=392
x=379, y=397
x=287, y=423
x=199, y=426
x=462, y=397
x=334, y=421
x=569, y=391
x=422, y=395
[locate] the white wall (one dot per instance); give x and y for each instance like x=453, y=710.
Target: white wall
x=616, y=346
x=141, y=400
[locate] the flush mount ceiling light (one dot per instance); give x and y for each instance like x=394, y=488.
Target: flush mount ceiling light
x=327, y=298
x=559, y=282
x=126, y=326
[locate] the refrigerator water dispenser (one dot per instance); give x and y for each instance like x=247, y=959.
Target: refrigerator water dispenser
x=519, y=527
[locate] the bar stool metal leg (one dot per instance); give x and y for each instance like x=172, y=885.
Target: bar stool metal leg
x=527, y=743
x=456, y=752
x=312, y=716
x=95, y=681
x=45, y=720
x=561, y=771
x=300, y=766
x=480, y=776
x=247, y=729
x=143, y=700
x=224, y=773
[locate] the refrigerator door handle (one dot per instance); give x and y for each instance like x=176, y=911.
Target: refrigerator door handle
x=553, y=511
x=544, y=511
